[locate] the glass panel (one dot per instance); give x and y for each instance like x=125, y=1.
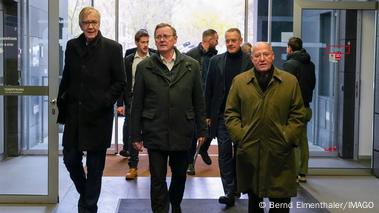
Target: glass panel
x=319, y=31
x=190, y=18
x=107, y=11
x=1, y=129
x=25, y=129
x=71, y=16
x=23, y=62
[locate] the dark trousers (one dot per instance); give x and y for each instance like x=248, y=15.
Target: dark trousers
x=281, y=203
x=161, y=197
x=226, y=158
x=88, y=185
x=133, y=159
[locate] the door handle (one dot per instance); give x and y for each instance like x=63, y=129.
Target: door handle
x=53, y=101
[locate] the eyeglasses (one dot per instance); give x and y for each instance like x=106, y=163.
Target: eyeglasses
x=164, y=37
x=88, y=23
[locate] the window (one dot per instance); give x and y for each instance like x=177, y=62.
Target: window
x=189, y=18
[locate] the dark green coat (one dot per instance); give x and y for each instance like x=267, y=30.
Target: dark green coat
x=164, y=110
x=265, y=127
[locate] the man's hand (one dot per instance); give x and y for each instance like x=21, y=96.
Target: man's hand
x=138, y=145
x=120, y=110
x=200, y=141
x=208, y=120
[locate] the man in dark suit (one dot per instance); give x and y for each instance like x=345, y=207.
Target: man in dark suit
x=167, y=103
x=222, y=70
x=202, y=53
x=141, y=39
x=93, y=79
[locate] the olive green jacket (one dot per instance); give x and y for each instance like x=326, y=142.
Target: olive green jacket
x=265, y=127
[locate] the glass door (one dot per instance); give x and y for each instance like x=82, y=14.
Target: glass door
x=29, y=63
x=331, y=35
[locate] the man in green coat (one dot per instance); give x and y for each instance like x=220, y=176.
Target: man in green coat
x=264, y=115
x=167, y=105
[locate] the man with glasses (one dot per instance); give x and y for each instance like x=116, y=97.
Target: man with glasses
x=264, y=115
x=93, y=79
x=167, y=105
x=222, y=70
x=202, y=53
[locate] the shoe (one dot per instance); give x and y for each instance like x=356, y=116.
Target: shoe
x=124, y=153
x=227, y=200
x=132, y=174
x=301, y=178
x=207, y=160
x=237, y=195
x=191, y=169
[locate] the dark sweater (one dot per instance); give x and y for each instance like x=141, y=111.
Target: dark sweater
x=232, y=68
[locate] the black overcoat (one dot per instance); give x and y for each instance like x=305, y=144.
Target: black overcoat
x=93, y=79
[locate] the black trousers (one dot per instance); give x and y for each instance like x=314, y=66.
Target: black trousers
x=88, y=185
x=161, y=197
x=282, y=204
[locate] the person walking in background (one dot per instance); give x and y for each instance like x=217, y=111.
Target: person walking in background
x=121, y=108
x=168, y=104
x=202, y=53
x=222, y=70
x=300, y=65
x=246, y=48
x=141, y=39
x=264, y=116
x=93, y=79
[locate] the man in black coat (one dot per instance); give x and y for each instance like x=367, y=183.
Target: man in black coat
x=131, y=61
x=93, y=79
x=167, y=103
x=202, y=53
x=300, y=65
x=222, y=69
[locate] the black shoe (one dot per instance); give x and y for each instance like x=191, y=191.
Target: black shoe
x=191, y=169
x=237, y=195
x=227, y=200
x=207, y=160
x=124, y=153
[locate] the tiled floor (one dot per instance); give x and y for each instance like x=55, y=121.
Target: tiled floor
x=347, y=190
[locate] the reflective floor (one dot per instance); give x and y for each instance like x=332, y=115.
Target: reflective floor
x=357, y=193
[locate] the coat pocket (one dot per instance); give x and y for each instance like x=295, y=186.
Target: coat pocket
x=148, y=114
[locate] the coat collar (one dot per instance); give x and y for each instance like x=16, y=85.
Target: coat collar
x=81, y=46
x=251, y=75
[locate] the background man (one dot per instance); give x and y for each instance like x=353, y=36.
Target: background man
x=300, y=65
x=93, y=79
x=141, y=39
x=167, y=105
x=264, y=115
x=202, y=53
x=222, y=70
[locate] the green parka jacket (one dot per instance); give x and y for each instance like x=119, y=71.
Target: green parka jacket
x=265, y=127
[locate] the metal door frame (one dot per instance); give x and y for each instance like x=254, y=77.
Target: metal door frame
x=300, y=5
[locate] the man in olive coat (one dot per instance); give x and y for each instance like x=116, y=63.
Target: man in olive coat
x=264, y=115
x=93, y=79
x=167, y=103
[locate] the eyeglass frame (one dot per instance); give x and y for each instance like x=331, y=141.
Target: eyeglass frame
x=164, y=36
x=90, y=22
